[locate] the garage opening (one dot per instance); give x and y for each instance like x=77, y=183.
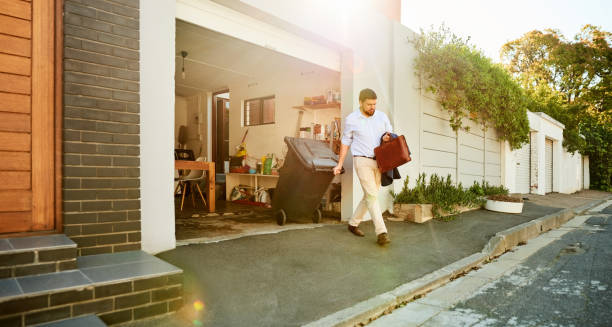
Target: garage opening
x=235, y=104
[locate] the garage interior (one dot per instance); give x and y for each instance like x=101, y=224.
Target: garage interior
x=232, y=98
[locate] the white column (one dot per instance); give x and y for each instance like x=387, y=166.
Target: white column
x=157, y=29
x=540, y=161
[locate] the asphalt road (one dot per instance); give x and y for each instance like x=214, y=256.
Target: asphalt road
x=566, y=283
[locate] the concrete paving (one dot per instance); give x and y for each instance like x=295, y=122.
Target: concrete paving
x=299, y=276
x=559, y=280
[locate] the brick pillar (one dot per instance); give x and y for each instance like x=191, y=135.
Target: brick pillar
x=101, y=125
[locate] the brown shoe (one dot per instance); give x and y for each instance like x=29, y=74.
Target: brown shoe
x=383, y=239
x=355, y=230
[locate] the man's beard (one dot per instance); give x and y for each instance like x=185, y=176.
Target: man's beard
x=368, y=112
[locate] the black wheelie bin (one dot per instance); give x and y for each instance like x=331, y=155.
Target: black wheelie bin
x=303, y=180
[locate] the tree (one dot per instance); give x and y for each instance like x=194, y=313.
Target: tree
x=470, y=86
x=572, y=82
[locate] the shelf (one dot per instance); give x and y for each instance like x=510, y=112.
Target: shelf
x=335, y=105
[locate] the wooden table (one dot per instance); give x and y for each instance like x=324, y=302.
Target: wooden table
x=201, y=165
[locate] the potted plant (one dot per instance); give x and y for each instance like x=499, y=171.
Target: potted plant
x=504, y=203
x=436, y=199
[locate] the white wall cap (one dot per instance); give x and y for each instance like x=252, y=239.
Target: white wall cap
x=550, y=119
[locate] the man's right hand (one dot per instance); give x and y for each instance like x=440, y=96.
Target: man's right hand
x=337, y=169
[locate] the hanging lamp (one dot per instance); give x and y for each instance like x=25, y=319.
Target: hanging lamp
x=183, y=54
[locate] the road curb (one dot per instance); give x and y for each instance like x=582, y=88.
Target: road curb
x=368, y=310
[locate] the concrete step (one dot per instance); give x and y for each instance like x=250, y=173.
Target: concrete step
x=35, y=255
x=118, y=287
x=83, y=321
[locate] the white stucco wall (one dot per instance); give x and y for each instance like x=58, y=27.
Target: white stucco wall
x=157, y=29
x=568, y=174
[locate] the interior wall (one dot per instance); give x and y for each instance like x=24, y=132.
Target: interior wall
x=289, y=89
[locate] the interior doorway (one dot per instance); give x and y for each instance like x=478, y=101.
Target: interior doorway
x=220, y=119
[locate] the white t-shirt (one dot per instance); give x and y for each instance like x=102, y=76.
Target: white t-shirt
x=363, y=133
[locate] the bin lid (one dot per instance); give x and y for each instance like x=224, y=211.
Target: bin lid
x=313, y=154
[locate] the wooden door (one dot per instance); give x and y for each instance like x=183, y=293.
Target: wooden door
x=29, y=89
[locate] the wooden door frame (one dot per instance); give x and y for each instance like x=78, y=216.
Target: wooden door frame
x=57, y=122
x=59, y=95
x=214, y=124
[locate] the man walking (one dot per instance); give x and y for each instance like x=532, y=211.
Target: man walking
x=363, y=130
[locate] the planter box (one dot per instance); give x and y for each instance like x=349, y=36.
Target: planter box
x=420, y=213
x=507, y=207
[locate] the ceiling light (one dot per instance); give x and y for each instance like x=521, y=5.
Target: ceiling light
x=183, y=54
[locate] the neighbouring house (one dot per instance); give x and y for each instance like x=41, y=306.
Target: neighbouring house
x=96, y=95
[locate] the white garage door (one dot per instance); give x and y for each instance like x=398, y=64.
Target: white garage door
x=549, y=166
x=522, y=169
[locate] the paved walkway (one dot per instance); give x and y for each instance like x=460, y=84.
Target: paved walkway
x=295, y=277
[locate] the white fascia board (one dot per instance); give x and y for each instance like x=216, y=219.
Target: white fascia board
x=224, y=20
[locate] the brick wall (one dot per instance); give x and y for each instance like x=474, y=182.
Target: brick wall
x=101, y=125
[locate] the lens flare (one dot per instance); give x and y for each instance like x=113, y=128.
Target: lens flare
x=198, y=305
x=197, y=323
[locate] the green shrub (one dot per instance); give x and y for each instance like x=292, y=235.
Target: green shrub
x=484, y=189
x=442, y=193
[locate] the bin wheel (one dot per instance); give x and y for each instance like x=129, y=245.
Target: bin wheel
x=281, y=217
x=316, y=218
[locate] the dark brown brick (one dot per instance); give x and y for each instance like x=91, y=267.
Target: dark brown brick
x=151, y=310
x=57, y=255
x=85, y=241
x=14, y=321
x=71, y=183
x=71, y=206
x=96, y=205
x=175, y=305
x=126, y=205
x=72, y=230
x=113, y=289
x=6, y=273
x=97, y=229
x=105, y=217
x=80, y=218
x=111, y=194
x=68, y=265
x=79, y=194
x=96, y=160
x=71, y=297
x=134, y=215
x=146, y=284
x=116, y=317
x=126, y=247
x=16, y=258
x=112, y=239
x=92, y=307
x=96, y=250
x=132, y=300
x=23, y=305
x=175, y=279
x=35, y=269
x=47, y=315
x=166, y=293
x=96, y=183
x=134, y=237
x=127, y=226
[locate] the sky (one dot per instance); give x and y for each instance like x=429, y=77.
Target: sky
x=490, y=24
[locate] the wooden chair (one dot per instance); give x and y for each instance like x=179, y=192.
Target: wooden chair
x=192, y=180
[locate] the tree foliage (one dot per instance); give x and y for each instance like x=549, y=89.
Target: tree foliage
x=469, y=85
x=571, y=80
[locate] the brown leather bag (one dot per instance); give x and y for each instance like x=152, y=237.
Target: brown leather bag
x=392, y=154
